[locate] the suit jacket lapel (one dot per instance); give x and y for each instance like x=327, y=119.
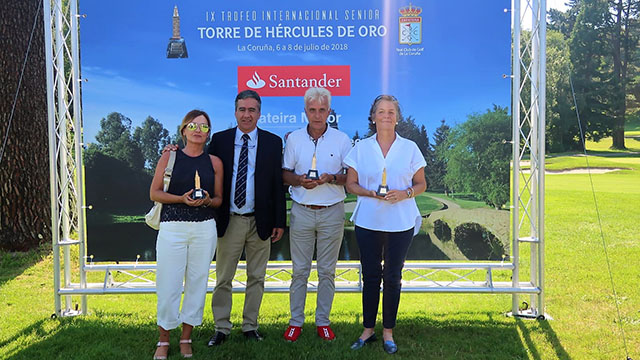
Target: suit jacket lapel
x=260, y=154
x=229, y=150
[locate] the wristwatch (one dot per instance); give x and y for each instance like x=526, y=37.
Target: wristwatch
x=335, y=179
x=409, y=193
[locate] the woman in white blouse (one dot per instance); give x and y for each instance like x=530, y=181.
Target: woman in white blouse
x=385, y=225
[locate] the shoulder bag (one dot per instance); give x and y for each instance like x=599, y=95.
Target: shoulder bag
x=152, y=218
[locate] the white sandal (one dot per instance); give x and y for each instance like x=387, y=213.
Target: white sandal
x=161, y=357
x=185, y=341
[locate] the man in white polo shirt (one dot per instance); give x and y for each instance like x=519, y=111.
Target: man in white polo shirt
x=313, y=166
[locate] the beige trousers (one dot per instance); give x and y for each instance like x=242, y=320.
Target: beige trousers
x=241, y=235
x=321, y=230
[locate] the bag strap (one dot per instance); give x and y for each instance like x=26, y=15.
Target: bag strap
x=169, y=170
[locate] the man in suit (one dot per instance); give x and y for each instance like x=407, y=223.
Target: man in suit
x=252, y=211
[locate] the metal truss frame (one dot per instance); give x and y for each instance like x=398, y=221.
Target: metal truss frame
x=527, y=202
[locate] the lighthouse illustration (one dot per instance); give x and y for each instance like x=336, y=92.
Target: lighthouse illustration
x=177, y=47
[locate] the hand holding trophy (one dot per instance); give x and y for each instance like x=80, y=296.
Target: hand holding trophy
x=198, y=193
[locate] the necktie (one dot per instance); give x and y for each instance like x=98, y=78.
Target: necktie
x=241, y=179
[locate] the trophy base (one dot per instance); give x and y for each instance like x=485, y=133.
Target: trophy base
x=177, y=49
x=382, y=190
x=197, y=194
x=313, y=175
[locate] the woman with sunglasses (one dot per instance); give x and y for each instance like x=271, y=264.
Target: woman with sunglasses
x=386, y=171
x=187, y=236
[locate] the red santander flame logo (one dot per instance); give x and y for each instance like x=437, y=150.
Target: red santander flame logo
x=294, y=80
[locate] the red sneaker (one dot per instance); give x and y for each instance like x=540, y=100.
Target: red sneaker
x=292, y=333
x=326, y=333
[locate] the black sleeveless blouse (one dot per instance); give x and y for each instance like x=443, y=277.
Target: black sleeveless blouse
x=183, y=180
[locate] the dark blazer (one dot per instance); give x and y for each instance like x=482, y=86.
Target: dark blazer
x=270, y=206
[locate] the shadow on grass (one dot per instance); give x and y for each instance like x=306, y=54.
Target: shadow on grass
x=12, y=264
x=544, y=328
x=419, y=335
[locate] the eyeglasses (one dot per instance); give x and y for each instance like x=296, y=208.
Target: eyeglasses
x=193, y=126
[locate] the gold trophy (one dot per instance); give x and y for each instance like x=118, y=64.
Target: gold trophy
x=383, y=189
x=313, y=172
x=198, y=193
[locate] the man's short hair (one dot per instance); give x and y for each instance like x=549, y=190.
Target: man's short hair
x=317, y=94
x=249, y=94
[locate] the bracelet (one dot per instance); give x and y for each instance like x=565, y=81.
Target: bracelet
x=410, y=192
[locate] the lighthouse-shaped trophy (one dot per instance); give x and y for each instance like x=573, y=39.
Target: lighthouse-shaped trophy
x=383, y=189
x=198, y=193
x=177, y=47
x=313, y=172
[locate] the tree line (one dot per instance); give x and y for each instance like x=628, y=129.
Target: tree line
x=593, y=45
x=139, y=147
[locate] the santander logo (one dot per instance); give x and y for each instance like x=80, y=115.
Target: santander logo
x=255, y=82
x=295, y=80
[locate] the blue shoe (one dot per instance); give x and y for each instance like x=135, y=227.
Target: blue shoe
x=359, y=344
x=390, y=347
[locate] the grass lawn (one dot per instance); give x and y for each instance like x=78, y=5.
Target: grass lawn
x=430, y=326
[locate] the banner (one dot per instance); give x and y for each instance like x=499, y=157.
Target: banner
x=150, y=62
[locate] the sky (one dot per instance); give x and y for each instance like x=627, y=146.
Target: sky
x=551, y=4
x=557, y=4
x=455, y=71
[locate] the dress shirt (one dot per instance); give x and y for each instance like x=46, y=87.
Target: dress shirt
x=249, y=205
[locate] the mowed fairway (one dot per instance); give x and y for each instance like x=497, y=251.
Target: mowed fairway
x=430, y=326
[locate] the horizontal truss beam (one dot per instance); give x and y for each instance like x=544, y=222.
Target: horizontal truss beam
x=415, y=279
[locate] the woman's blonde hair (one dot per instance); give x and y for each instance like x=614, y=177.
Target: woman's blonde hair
x=189, y=118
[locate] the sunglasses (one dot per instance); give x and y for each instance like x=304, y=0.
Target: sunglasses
x=385, y=97
x=193, y=126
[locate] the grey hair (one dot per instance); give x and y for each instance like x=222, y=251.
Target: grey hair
x=317, y=93
x=390, y=98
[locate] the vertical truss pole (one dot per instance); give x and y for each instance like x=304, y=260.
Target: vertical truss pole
x=538, y=87
x=61, y=100
x=542, y=63
x=515, y=114
x=535, y=169
x=53, y=173
x=65, y=155
x=78, y=136
x=528, y=136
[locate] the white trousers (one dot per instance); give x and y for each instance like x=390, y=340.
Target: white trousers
x=184, y=251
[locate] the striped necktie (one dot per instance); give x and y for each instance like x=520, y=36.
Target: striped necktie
x=240, y=197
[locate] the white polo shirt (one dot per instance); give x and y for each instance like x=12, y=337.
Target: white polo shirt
x=331, y=149
x=403, y=160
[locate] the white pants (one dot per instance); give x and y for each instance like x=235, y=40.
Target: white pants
x=184, y=251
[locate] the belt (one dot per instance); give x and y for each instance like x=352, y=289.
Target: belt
x=317, y=207
x=244, y=215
